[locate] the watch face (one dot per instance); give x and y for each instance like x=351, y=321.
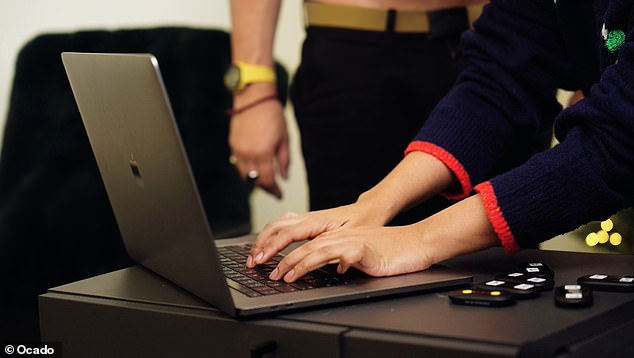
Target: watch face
x=232, y=78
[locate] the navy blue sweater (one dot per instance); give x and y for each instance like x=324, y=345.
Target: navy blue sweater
x=520, y=53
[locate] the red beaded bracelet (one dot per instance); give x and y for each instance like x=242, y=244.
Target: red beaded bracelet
x=233, y=112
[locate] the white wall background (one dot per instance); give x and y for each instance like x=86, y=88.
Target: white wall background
x=21, y=20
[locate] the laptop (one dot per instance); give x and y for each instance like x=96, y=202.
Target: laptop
x=147, y=176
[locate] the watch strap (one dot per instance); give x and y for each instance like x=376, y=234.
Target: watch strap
x=250, y=73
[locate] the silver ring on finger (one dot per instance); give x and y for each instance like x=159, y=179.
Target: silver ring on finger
x=253, y=174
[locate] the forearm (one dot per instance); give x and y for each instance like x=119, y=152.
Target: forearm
x=253, y=25
x=460, y=229
x=416, y=178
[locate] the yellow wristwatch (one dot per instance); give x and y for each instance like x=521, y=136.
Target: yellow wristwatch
x=240, y=74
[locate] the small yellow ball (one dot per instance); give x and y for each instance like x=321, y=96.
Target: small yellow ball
x=603, y=236
x=616, y=239
x=607, y=225
x=592, y=239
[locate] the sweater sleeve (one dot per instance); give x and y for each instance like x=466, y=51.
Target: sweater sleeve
x=589, y=175
x=506, y=97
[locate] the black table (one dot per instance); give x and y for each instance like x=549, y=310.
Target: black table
x=134, y=313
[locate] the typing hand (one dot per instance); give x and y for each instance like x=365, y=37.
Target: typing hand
x=342, y=236
x=277, y=235
x=384, y=251
x=377, y=251
x=289, y=228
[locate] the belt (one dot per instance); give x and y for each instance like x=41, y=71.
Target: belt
x=370, y=19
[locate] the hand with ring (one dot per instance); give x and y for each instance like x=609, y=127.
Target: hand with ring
x=252, y=174
x=258, y=139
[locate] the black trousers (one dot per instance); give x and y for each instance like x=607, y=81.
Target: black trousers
x=359, y=99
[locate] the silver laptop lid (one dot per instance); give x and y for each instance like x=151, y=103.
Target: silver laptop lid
x=162, y=221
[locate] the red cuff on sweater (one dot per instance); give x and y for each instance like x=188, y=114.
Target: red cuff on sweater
x=450, y=161
x=500, y=226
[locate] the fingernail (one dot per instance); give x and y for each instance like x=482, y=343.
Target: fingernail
x=274, y=274
x=249, y=261
x=259, y=257
x=290, y=276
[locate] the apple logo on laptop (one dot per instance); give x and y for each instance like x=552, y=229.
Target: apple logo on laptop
x=136, y=172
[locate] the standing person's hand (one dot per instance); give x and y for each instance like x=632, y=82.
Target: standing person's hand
x=259, y=141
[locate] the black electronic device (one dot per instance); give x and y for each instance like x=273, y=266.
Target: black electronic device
x=479, y=297
x=573, y=296
x=602, y=282
x=544, y=283
x=536, y=268
x=520, y=290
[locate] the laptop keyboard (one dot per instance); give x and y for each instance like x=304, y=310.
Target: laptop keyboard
x=255, y=282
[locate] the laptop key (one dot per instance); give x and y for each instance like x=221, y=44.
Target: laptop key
x=302, y=285
x=286, y=288
x=265, y=290
x=247, y=291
